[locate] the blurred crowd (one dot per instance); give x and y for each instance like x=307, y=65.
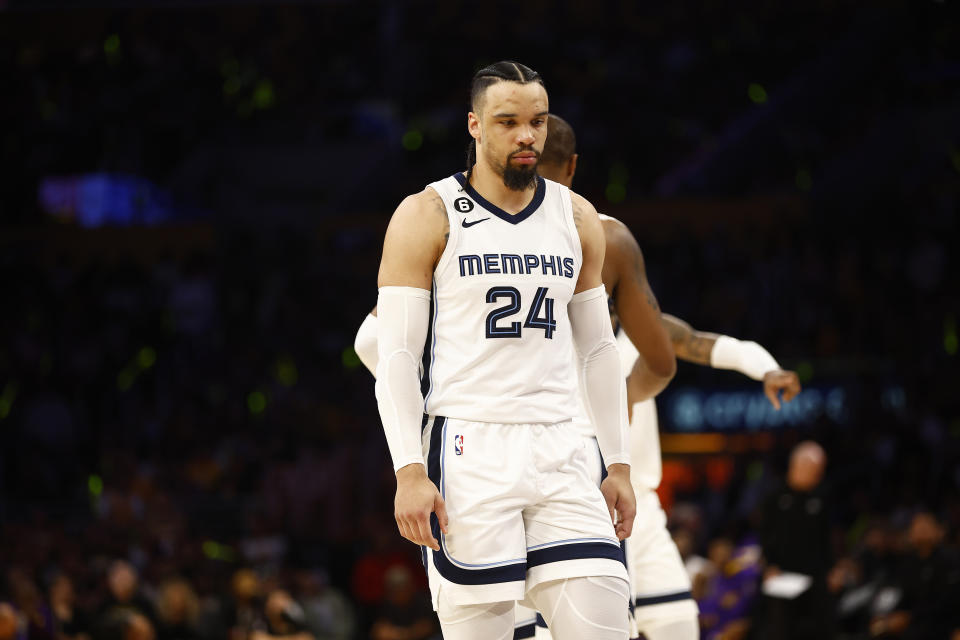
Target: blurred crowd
x=242, y=110
x=191, y=449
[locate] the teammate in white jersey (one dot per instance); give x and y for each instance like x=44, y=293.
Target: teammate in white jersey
x=661, y=589
x=663, y=606
x=492, y=278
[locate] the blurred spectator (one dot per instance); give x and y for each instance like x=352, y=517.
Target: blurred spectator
x=8, y=622
x=125, y=607
x=328, y=612
x=35, y=617
x=136, y=626
x=386, y=552
x=284, y=618
x=729, y=589
x=406, y=612
x=922, y=601
x=243, y=613
x=795, y=536
x=70, y=621
x=178, y=611
x=860, y=578
x=699, y=569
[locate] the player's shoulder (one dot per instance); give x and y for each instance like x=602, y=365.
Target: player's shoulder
x=416, y=205
x=579, y=202
x=583, y=211
x=620, y=240
x=428, y=197
x=612, y=225
x=615, y=230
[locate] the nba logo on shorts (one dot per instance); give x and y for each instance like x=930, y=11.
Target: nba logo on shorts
x=458, y=445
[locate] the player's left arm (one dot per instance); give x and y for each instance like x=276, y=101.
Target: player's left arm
x=723, y=352
x=365, y=343
x=604, y=388
x=639, y=314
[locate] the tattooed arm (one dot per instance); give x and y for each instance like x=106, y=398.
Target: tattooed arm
x=604, y=391
x=689, y=344
x=625, y=276
x=748, y=358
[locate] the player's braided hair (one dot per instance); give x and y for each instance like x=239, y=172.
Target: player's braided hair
x=504, y=70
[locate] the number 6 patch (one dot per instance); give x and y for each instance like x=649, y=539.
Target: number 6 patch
x=463, y=205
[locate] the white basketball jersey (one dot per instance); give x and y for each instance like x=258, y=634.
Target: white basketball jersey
x=499, y=345
x=645, y=465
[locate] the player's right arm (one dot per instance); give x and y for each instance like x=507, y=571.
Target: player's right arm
x=688, y=343
x=415, y=239
x=723, y=352
x=638, y=313
x=604, y=389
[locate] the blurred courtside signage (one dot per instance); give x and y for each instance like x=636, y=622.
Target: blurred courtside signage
x=104, y=199
x=692, y=410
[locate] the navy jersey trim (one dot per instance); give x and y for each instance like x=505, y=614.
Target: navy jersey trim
x=516, y=572
x=575, y=551
x=603, y=465
x=540, y=621
x=426, y=377
x=526, y=631
x=517, y=218
x=668, y=597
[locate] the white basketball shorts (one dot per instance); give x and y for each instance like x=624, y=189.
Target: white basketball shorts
x=523, y=509
x=658, y=580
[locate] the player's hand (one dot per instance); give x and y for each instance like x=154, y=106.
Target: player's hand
x=621, y=502
x=417, y=497
x=777, y=381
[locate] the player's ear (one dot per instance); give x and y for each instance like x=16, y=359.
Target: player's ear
x=572, y=166
x=473, y=125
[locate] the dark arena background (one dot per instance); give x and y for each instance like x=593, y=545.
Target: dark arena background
x=194, y=196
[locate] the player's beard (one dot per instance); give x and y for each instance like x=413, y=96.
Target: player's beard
x=520, y=178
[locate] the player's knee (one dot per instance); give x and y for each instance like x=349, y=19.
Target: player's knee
x=475, y=621
x=587, y=607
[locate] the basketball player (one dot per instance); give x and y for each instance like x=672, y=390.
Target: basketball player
x=498, y=272
x=660, y=586
x=663, y=606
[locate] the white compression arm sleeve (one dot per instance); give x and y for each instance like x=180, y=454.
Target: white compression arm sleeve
x=365, y=344
x=747, y=357
x=404, y=313
x=605, y=389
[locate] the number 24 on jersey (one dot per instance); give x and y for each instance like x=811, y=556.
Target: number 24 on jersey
x=541, y=305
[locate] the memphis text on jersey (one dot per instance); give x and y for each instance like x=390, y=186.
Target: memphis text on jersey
x=527, y=264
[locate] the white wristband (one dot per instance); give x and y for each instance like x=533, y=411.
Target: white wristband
x=745, y=356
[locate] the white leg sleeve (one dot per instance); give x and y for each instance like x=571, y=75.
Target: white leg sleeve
x=591, y=607
x=676, y=630
x=488, y=621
